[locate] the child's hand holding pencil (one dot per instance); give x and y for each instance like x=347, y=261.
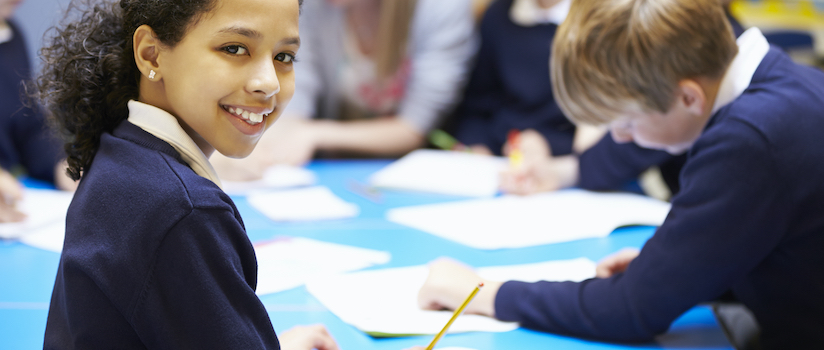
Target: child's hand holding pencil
x=449, y=283
x=532, y=167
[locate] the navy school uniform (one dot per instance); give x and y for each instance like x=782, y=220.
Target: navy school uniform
x=155, y=256
x=749, y=219
x=25, y=139
x=509, y=87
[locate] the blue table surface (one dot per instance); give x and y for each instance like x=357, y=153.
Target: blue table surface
x=27, y=274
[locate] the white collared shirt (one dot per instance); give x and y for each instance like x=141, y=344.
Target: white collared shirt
x=6, y=33
x=752, y=47
x=528, y=13
x=165, y=126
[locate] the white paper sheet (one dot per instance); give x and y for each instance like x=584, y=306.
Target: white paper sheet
x=523, y=221
x=444, y=172
x=304, y=204
x=288, y=262
x=49, y=237
x=384, y=302
x=276, y=177
x=42, y=207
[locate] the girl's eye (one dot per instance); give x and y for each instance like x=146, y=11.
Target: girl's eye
x=285, y=58
x=235, y=49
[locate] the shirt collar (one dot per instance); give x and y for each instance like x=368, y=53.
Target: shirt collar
x=6, y=34
x=165, y=126
x=527, y=13
x=752, y=47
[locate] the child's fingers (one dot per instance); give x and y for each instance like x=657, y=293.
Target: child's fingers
x=446, y=285
x=308, y=338
x=9, y=214
x=11, y=192
x=615, y=263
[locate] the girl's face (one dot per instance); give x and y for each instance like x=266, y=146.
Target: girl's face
x=231, y=76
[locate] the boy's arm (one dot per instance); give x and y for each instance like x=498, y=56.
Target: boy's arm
x=731, y=213
x=609, y=165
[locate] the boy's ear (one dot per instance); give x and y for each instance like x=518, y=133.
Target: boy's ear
x=692, y=96
x=146, y=47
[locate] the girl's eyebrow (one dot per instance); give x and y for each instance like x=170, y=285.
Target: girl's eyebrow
x=291, y=41
x=254, y=34
x=247, y=32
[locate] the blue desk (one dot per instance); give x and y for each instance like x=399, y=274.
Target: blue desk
x=27, y=274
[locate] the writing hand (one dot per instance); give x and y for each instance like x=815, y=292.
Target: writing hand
x=448, y=284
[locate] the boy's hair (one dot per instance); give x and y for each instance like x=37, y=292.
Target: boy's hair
x=610, y=56
x=89, y=71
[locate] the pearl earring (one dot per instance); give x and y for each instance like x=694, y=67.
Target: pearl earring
x=151, y=74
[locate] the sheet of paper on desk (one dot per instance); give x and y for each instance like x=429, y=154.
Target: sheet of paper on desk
x=49, y=237
x=303, y=204
x=523, y=221
x=42, y=207
x=444, y=172
x=384, y=302
x=276, y=177
x=288, y=262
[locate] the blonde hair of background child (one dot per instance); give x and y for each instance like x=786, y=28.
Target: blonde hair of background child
x=393, y=35
x=618, y=55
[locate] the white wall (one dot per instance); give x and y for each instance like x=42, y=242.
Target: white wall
x=35, y=17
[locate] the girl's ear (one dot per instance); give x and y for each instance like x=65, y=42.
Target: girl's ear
x=146, y=52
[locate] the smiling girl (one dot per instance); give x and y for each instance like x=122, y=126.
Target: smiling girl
x=156, y=254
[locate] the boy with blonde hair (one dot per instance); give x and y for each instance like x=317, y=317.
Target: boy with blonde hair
x=750, y=214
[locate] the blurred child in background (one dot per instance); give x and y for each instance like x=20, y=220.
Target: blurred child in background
x=27, y=144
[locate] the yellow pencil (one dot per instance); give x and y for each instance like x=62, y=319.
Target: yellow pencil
x=455, y=315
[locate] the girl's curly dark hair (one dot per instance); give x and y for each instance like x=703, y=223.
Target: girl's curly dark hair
x=89, y=72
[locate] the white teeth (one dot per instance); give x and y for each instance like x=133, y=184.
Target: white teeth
x=249, y=117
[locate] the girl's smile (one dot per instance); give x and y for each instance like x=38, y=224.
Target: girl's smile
x=248, y=120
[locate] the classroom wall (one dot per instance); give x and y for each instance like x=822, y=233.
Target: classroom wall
x=35, y=17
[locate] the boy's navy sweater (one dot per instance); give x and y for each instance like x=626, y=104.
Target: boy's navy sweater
x=155, y=256
x=25, y=140
x=749, y=218
x=509, y=87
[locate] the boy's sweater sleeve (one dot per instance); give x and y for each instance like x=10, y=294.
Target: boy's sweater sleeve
x=199, y=294
x=609, y=165
x=731, y=213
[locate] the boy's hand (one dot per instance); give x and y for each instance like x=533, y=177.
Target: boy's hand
x=448, y=285
x=307, y=338
x=11, y=192
x=616, y=263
